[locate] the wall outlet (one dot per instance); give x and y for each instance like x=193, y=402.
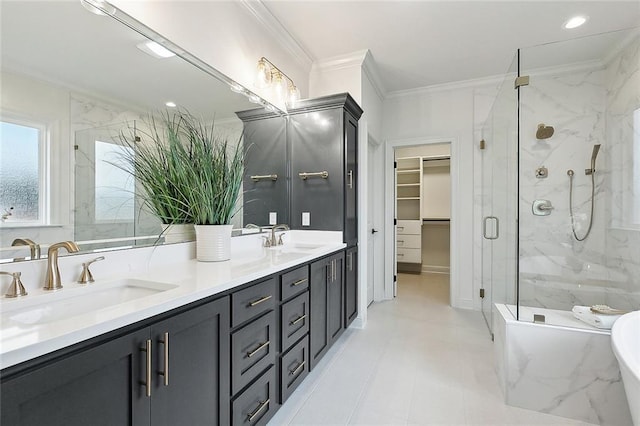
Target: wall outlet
x=273, y=218
x=306, y=219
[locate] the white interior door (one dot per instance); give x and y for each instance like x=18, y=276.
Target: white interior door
x=371, y=242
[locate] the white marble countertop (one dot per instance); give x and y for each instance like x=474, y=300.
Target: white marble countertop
x=193, y=280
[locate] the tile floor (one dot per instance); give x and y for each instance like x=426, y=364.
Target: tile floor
x=418, y=362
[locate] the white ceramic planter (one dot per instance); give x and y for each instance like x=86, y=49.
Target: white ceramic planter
x=178, y=233
x=213, y=242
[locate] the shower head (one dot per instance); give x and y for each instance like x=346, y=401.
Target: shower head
x=544, y=132
x=594, y=155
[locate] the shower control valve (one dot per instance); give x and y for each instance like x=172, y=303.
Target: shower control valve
x=542, y=172
x=541, y=207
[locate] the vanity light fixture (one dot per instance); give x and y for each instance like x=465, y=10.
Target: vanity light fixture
x=270, y=76
x=575, y=22
x=154, y=49
x=170, y=104
x=99, y=7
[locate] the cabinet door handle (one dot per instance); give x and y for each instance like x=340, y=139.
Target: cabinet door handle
x=350, y=179
x=297, y=320
x=400, y=254
x=297, y=283
x=297, y=369
x=401, y=241
x=165, y=373
x=350, y=261
x=259, y=301
x=253, y=415
x=334, y=269
x=147, y=384
x=258, y=349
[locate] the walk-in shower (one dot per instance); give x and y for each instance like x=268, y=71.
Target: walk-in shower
x=585, y=249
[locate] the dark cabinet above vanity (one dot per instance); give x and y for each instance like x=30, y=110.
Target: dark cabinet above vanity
x=318, y=150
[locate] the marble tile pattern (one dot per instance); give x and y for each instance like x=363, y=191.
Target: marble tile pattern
x=560, y=371
x=418, y=362
x=592, y=105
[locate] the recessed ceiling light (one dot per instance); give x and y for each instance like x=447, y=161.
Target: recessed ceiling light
x=154, y=49
x=170, y=104
x=575, y=22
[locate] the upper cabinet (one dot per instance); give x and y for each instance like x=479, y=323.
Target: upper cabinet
x=321, y=147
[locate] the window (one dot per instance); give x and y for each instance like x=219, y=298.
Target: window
x=114, y=194
x=23, y=178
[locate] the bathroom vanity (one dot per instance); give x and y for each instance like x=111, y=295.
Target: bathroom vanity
x=228, y=343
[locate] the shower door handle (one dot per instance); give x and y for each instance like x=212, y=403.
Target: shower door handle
x=496, y=234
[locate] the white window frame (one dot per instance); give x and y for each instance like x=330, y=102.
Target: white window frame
x=44, y=167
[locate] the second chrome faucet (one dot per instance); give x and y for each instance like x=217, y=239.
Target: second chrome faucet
x=52, y=278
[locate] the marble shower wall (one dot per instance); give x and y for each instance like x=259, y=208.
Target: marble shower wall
x=592, y=104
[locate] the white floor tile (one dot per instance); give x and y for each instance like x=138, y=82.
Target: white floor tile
x=418, y=362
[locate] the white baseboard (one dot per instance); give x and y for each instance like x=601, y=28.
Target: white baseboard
x=434, y=269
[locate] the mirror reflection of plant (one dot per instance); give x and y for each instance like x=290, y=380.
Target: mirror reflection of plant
x=157, y=159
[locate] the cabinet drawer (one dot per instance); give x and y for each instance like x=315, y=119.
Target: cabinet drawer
x=294, y=282
x=252, y=301
x=294, y=367
x=294, y=320
x=409, y=241
x=257, y=404
x=409, y=255
x=253, y=349
x=409, y=227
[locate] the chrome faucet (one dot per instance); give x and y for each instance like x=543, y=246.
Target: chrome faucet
x=278, y=242
x=52, y=279
x=33, y=247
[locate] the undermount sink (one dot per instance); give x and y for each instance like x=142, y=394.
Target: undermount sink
x=625, y=341
x=73, y=301
x=295, y=247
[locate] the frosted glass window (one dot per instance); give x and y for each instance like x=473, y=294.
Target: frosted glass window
x=114, y=196
x=20, y=178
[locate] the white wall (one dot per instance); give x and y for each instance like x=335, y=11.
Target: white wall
x=444, y=113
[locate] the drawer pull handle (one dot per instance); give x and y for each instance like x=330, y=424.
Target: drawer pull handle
x=259, y=301
x=297, y=369
x=297, y=283
x=165, y=373
x=147, y=384
x=258, y=349
x=400, y=254
x=401, y=241
x=253, y=415
x=297, y=320
x=400, y=228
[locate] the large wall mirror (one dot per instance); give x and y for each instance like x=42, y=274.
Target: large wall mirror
x=71, y=82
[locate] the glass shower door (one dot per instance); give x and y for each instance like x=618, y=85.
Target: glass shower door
x=499, y=199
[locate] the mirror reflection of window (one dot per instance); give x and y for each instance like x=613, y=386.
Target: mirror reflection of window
x=22, y=181
x=114, y=187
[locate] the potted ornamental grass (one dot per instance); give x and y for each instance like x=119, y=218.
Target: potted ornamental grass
x=214, y=180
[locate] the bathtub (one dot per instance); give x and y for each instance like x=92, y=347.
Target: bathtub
x=564, y=367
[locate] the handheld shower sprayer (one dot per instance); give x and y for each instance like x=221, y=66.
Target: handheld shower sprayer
x=594, y=155
x=591, y=172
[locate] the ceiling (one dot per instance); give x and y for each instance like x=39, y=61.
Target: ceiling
x=424, y=43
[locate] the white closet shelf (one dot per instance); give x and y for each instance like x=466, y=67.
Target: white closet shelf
x=408, y=184
x=409, y=171
x=408, y=198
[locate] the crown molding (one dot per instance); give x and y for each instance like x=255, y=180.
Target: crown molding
x=370, y=69
x=494, y=80
x=284, y=38
x=349, y=60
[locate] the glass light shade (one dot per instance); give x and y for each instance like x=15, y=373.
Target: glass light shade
x=294, y=94
x=280, y=86
x=263, y=75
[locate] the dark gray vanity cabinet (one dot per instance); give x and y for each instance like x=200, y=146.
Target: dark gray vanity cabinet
x=323, y=138
x=170, y=372
x=265, y=184
x=327, y=305
x=351, y=286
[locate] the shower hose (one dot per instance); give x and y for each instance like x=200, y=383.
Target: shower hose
x=593, y=191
